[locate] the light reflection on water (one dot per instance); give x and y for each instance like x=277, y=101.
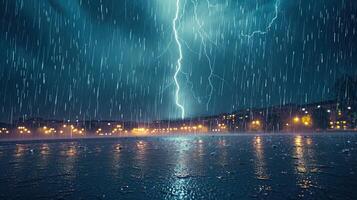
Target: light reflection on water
x=299, y=155
x=200, y=149
x=141, y=149
x=223, y=154
x=179, y=183
x=304, y=162
x=20, y=150
x=68, y=161
x=231, y=167
x=116, y=154
x=43, y=161
x=259, y=161
x=188, y=157
x=45, y=149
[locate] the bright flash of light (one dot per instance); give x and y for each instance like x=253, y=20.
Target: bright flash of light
x=179, y=60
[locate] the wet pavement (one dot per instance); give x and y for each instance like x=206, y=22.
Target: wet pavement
x=311, y=166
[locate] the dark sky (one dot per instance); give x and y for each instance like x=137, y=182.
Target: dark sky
x=116, y=59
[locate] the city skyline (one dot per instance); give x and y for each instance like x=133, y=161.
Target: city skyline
x=328, y=116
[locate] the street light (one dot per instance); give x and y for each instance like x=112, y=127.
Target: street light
x=296, y=120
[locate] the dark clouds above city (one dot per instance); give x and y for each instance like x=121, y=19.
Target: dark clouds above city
x=111, y=59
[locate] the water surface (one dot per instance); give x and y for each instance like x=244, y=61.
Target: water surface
x=314, y=166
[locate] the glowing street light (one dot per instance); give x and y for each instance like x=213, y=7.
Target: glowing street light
x=296, y=120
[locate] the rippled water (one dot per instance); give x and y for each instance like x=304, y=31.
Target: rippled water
x=194, y=167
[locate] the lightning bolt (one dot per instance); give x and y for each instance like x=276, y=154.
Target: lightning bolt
x=263, y=32
x=203, y=36
x=179, y=60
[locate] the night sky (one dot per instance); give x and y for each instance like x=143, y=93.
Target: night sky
x=116, y=59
